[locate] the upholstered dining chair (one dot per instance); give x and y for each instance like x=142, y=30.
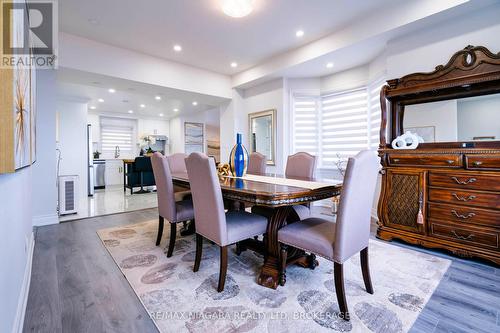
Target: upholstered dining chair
x=212, y=222
x=177, y=165
x=340, y=240
x=256, y=164
x=300, y=165
x=168, y=208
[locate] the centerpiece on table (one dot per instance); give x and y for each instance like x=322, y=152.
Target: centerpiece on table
x=238, y=159
x=147, y=141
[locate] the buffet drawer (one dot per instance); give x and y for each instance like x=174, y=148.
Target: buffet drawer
x=463, y=215
x=466, y=198
x=429, y=160
x=465, y=235
x=473, y=181
x=483, y=162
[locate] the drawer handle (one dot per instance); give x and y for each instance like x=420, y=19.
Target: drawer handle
x=462, y=237
x=450, y=161
x=460, y=216
x=469, y=198
x=477, y=163
x=396, y=160
x=464, y=182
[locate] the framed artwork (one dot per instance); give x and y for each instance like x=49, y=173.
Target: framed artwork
x=17, y=101
x=194, y=139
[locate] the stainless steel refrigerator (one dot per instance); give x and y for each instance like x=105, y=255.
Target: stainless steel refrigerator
x=90, y=162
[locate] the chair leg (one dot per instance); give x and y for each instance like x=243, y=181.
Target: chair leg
x=199, y=249
x=365, y=269
x=171, y=243
x=283, y=257
x=338, y=272
x=223, y=268
x=160, y=230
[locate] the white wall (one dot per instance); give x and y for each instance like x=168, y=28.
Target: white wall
x=44, y=173
x=73, y=140
x=479, y=117
x=441, y=115
x=15, y=220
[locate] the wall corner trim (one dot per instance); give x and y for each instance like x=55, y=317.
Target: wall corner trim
x=25, y=288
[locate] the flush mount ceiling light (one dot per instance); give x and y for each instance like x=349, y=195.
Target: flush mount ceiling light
x=299, y=33
x=142, y=106
x=92, y=108
x=177, y=48
x=130, y=111
x=237, y=8
x=158, y=98
x=234, y=64
x=111, y=90
x=161, y=114
x=329, y=65
x=176, y=110
x=195, y=103
x=100, y=100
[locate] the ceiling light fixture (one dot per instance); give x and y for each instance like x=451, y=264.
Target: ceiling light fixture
x=234, y=64
x=111, y=90
x=299, y=33
x=100, y=100
x=195, y=103
x=329, y=65
x=158, y=98
x=177, y=48
x=92, y=107
x=176, y=110
x=237, y=8
x=130, y=111
x=161, y=114
x=142, y=106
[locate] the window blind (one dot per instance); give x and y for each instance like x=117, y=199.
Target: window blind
x=117, y=132
x=306, y=125
x=375, y=112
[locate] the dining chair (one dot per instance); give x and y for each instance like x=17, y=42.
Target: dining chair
x=212, y=222
x=168, y=208
x=256, y=164
x=340, y=240
x=300, y=165
x=177, y=165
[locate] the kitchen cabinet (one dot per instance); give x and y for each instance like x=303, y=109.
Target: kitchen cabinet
x=114, y=172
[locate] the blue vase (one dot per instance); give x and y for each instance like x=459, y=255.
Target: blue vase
x=238, y=159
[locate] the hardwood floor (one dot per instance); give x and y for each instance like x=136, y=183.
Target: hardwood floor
x=76, y=286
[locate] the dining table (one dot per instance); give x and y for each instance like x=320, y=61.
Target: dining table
x=278, y=193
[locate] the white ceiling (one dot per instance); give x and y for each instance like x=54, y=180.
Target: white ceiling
x=210, y=40
x=130, y=95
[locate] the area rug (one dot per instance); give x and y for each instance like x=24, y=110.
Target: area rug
x=179, y=300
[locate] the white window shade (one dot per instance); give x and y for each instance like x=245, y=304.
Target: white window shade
x=306, y=125
x=117, y=132
x=375, y=112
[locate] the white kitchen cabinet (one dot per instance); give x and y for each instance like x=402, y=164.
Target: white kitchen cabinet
x=114, y=172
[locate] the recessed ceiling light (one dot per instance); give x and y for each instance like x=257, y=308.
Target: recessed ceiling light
x=92, y=107
x=177, y=48
x=237, y=8
x=176, y=110
x=111, y=90
x=130, y=111
x=100, y=100
x=299, y=33
x=329, y=65
x=195, y=103
x=161, y=114
x=158, y=98
x=234, y=64
x=142, y=106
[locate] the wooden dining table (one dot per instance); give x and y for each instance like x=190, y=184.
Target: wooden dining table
x=280, y=198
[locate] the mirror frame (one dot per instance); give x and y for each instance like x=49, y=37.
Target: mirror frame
x=473, y=71
x=265, y=113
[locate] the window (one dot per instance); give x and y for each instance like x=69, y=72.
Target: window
x=117, y=132
x=337, y=126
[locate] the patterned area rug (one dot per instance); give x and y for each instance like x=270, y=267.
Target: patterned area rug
x=179, y=300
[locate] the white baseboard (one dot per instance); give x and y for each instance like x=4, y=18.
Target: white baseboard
x=25, y=288
x=41, y=220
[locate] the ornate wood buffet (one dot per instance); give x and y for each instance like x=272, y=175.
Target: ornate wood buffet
x=454, y=187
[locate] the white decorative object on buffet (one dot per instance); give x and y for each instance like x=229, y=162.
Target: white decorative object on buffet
x=408, y=140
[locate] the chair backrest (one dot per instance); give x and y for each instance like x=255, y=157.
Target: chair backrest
x=177, y=163
x=143, y=163
x=207, y=198
x=300, y=165
x=164, y=187
x=356, y=200
x=256, y=164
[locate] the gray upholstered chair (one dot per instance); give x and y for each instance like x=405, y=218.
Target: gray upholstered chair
x=177, y=165
x=168, y=208
x=211, y=220
x=348, y=235
x=256, y=164
x=301, y=166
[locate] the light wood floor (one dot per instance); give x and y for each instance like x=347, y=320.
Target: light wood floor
x=76, y=286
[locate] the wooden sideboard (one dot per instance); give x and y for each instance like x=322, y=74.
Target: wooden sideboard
x=454, y=187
